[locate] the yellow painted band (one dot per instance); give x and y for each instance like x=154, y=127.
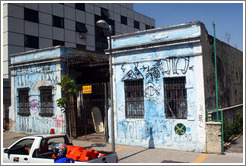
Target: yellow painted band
x=120, y=148
x=200, y=158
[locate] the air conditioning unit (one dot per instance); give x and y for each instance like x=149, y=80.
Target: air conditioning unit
x=82, y=35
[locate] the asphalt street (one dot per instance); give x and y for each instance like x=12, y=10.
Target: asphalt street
x=135, y=154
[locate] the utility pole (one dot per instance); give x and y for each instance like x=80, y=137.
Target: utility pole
x=216, y=94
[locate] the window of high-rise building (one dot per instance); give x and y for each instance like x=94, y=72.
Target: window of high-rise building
x=31, y=15
x=31, y=41
x=123, y=20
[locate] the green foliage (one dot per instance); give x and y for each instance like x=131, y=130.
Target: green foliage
x=233, y=129
x=62, y=103
x=238, y=123
x=68, y=88
x=228, y=130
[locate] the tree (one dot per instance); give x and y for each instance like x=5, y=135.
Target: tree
x=69, y=89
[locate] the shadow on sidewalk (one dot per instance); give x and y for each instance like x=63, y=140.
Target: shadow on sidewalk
x=170, y=161
x=95, y=145
x=133, y=154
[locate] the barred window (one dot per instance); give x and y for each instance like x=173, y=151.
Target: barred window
x=134, y=99
x=175, y=98
x=23, y=102
x=46, y=101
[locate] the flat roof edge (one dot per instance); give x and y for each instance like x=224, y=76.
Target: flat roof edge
x=36, y=50
x=157, y=29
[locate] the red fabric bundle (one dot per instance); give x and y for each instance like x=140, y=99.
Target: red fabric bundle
x=78, y=153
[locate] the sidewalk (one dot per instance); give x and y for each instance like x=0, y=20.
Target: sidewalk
x=135, y=154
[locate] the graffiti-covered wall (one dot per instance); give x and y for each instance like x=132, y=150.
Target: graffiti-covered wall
x=32, y=71
x=152, y=64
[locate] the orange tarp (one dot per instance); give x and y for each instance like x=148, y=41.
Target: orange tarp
x=78, y=153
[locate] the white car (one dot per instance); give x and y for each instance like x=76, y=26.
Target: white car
x=38, y=149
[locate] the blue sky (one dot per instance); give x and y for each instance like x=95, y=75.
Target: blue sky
x=228, y=17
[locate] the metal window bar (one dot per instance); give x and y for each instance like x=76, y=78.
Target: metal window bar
x=46, y=101
x=175, y=98
x=134, y=99
x=23, y=103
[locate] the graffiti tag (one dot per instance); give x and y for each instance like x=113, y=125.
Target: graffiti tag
x=34, y=105
x=180, y=129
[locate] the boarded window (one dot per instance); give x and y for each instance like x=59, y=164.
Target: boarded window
x=23, y=102
x=175, y=98
x=134, y=99
x=46, y=101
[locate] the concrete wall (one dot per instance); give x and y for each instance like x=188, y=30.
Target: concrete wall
x=213, y=132
x=153, y=65
x=229, y=71
x=33, y=74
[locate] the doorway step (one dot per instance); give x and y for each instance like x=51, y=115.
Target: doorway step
x=95, y=137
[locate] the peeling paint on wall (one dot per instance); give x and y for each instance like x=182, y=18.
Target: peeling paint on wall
x=154, y=126
x=33, y=76
x=152, y=66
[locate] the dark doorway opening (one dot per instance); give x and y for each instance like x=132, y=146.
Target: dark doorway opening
x=92, y=119
x=91, y=102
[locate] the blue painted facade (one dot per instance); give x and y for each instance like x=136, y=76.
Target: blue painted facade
x=33, y=70
x=151, y=56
